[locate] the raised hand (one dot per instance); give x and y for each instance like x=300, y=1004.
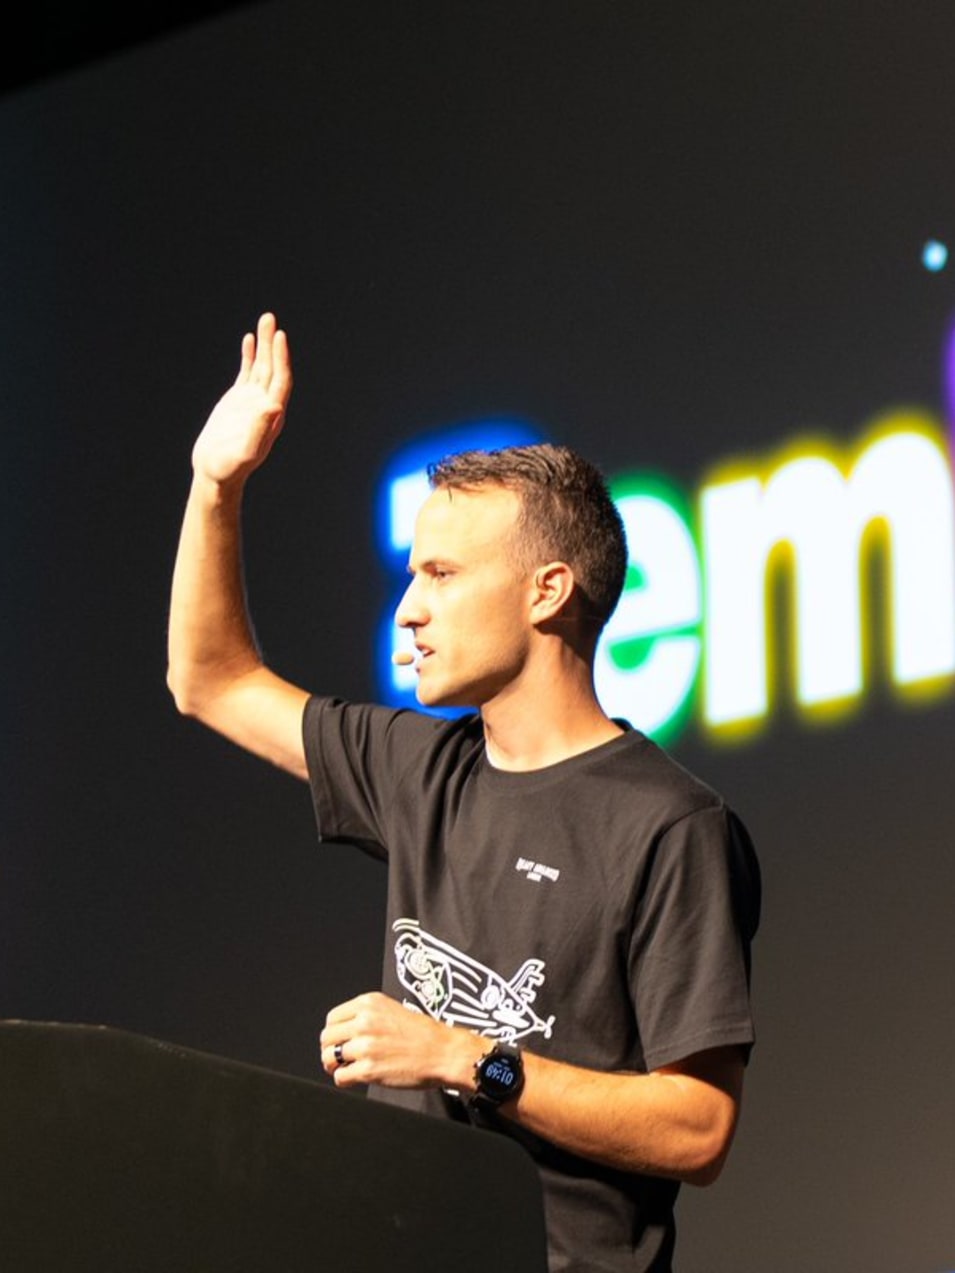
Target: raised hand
x=245, y=422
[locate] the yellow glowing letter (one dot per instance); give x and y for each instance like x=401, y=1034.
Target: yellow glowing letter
x=899, y=488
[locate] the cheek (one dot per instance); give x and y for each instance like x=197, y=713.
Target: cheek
x=501, y=632
x=487, y=619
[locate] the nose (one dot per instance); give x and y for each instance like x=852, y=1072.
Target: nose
x=411, y=612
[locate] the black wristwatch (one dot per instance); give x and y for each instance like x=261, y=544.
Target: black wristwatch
x=498, y=1075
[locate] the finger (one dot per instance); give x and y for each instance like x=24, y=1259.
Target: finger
x=265, y=333
x=281, y=385
x=335, y=1055
x=329, y=1037
x=329, y=1056
x=341, y=1013
x=351, y=1070
x=247, y=358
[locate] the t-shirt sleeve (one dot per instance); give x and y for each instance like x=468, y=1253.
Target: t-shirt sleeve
x=359, y=757
x=689, y=956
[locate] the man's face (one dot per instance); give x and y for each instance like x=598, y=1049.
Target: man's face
x=466, y=604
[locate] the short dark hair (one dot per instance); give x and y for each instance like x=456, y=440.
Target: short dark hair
x=567, y=514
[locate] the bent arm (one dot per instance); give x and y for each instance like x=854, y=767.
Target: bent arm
x=676, y=1122
x=215, y=670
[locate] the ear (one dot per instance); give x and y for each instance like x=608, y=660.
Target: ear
x=551, y=589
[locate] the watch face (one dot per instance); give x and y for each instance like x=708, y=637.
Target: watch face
x=500, y=1075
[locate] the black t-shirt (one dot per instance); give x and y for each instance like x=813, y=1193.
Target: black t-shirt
x=597, y=911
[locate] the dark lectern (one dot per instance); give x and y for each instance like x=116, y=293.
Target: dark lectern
x=123, y=1154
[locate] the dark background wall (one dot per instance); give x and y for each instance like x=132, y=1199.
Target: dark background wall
x=666, y=234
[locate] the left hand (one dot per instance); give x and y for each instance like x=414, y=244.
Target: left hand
x=381, y=1041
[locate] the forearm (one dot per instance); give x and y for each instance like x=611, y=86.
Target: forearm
x=668, y=1124
x=677, y=1122
x=210, y=639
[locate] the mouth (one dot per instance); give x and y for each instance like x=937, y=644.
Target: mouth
x=407, y=658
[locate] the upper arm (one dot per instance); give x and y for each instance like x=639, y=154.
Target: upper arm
x=261, y=713
x=721, y=1067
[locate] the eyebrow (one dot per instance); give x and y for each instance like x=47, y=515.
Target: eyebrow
x=432, y=563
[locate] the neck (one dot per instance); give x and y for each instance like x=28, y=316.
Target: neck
x=548, y=715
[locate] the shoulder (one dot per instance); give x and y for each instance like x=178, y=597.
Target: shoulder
x=330, y=721
x=657, y=777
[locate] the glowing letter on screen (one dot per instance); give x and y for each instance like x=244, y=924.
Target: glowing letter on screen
x=898, y=494
x=649, y=654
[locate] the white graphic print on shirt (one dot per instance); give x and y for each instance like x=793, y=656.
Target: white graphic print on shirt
x=452, y=987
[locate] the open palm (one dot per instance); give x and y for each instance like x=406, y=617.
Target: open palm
x=245, y=422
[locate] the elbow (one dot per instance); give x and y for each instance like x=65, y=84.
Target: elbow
x=179, y=696
x=707, y=1173
x=183, y=692
x=708, y=1157
x=711, y=1091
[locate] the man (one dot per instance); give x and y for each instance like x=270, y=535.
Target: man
x=569, y=911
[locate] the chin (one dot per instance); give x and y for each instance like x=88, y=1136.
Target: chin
x=441, y=700
x=448, y=697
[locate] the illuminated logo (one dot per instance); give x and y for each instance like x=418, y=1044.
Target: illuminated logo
x=778, y=579
x=807, y=575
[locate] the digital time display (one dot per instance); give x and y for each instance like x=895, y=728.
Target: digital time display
x=497, y=1071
